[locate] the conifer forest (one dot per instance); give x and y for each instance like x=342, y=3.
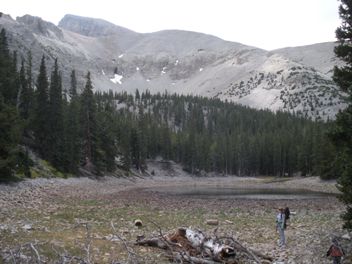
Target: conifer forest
x=72, y=127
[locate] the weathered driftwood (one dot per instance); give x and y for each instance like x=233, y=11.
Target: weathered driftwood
x=192, y=246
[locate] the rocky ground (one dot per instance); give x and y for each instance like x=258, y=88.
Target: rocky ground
x=51, y=219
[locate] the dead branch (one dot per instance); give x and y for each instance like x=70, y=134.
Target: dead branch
x=152, y=242
x=242, y=248
x=65, y=258
x=168, y=243
x=13, y=257
x=17, y=254
x=132, y=256
x=35, y=251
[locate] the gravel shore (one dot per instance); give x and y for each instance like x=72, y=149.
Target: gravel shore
x=313, y=224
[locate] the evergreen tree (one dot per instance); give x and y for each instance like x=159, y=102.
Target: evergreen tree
x=88, y=125
x=8, y=73
x=15, y=81
x=41, y=123
x=137, y=95
x=73, y=87
x=9, y=138
x=136, y=148
x=29, y=79
x=56, y=125
x=124, y=138
x=23, y=99
x=4, y=47
x=10, y=127
x=342, y=132
x=107, y=137
x=72, y=136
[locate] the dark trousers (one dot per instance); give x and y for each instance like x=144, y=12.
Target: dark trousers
x=336, y=260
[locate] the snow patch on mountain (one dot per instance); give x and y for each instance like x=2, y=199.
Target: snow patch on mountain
x=117, y=79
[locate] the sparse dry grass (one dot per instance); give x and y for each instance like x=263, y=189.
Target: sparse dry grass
x=56, y=222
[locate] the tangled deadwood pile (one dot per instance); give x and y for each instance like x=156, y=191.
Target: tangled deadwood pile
x=186, y=245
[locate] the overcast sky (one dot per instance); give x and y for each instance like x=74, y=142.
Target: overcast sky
x=267, y=24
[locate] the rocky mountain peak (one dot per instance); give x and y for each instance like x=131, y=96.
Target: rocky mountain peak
x=292, y=79
x=40, y=27
x=92, y=27
x=6, y=16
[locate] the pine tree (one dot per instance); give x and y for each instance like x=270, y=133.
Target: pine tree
x=29, y=79
x=9, y=138
x=56, y=125
x=21, y=102
x=342, y=132
x=10, y=125
x=73, y=87
x=136, y=148
x=4, y=47
x=88, y=124
x=107, y=136
x=72, y=137
x=9, y=122
x=8, y=73
x=15, y=81
x=41, y=116
x=25, y=94
x=124, y=137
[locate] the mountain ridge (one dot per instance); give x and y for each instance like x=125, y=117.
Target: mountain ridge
x=290, y=79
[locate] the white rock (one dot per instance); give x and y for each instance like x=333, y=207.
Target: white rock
x=27, y=227
x=346, y=236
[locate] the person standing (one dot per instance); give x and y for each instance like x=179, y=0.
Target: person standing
x=280, y=226
x=335, y=251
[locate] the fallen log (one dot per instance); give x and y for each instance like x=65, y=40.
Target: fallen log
x=192, y=246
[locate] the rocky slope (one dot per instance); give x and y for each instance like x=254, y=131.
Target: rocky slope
x=293, y=79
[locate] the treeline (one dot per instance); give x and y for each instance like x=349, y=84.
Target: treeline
x=211, y=135
x=103, y=131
